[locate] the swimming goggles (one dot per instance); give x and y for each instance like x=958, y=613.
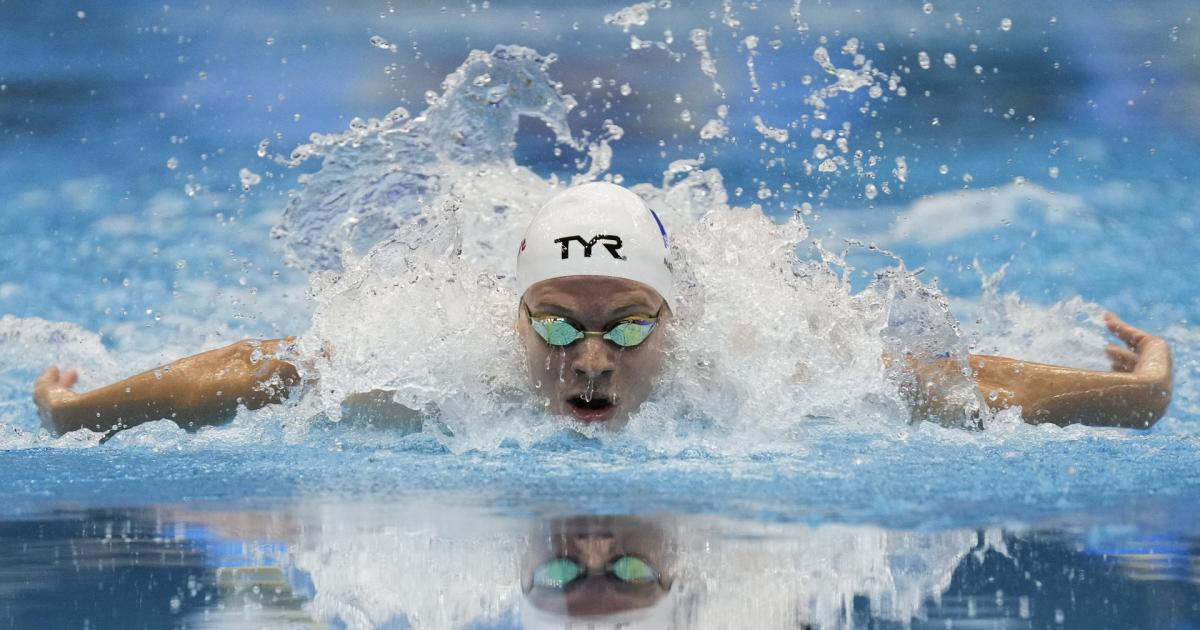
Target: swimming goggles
x=626, y=333
x=560, y=573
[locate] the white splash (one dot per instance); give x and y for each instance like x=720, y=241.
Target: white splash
x=944, y=217
x=634, y=15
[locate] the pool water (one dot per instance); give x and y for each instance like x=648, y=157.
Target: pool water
x=1034, y=164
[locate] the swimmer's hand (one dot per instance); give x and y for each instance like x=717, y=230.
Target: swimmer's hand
x=195, y=391
x=52, y=392
x=1135, y=394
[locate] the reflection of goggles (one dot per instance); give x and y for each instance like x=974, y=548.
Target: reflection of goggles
x=560, y=573
x=626, y=333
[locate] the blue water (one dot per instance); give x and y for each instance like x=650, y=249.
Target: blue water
x=122, y=133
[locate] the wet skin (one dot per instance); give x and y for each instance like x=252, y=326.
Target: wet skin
x=593, y=380
x=594, y=542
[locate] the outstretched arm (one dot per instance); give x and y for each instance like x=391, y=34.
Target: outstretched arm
x=195, y=391
x=1134, y=395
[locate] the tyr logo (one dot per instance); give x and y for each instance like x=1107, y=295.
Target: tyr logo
x=613, y=245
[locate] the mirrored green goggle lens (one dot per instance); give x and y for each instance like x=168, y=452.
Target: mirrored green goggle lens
x=633, y=570
x=557, y=573
x=556, y=332
x=560, y=572
x=631, y=333
x=628, y=334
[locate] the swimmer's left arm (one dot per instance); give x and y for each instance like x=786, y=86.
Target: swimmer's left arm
x=1134, y=395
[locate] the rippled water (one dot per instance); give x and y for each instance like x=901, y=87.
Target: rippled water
x=1035, y=161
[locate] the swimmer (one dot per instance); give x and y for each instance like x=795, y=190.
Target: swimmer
x=595, y=288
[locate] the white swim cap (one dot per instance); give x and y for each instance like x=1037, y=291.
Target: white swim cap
x=596, y=229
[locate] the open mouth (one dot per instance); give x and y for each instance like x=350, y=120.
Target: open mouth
x=595, y=409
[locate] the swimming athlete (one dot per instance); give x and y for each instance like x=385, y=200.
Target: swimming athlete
x=596, y=290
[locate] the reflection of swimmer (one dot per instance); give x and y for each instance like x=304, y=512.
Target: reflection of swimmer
x=598, y=572
x=596, y=287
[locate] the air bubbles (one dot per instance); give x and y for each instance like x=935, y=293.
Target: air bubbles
x=927, y=8
x=172, y=163
x=870, y=191
x=81, y=14
x=943, y=169
x=923, y=60
x=1006, y=24
x=1053, y=170
x=626, y=90
x=950, y=60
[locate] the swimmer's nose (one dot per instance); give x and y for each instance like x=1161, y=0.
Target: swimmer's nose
x=594, y=549
x=593, y=359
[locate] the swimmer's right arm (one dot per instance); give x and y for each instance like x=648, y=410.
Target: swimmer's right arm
x=199, y=390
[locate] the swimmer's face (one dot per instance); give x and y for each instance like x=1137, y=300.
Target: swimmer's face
x=594, y=542
x=593, y=380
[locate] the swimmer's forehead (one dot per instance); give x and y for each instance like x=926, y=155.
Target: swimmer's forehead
x=593, y=294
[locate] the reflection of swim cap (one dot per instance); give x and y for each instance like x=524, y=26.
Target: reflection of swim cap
x=596, y=229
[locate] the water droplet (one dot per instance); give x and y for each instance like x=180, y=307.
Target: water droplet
x=81, y=14
x=181, y=264
x=870, y=191
x=875, y=91
x=249, y=179
x=950, y=60
x=927, y=8
x=1054, y=172
x=598, y=83
x=172, y=163
x=380, y=43
x=270, y=41
x=1006, y=24
x=923, y=60
x=626, y=90
x=943, y=169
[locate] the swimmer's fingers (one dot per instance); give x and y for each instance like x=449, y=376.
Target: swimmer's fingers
x=50, y=391
x=1130, y=335
x=1152, y=352
x=1123, y=359
x=49, y=377
x=52, y=378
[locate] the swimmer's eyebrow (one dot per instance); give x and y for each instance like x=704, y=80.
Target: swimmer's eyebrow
x=637, y=308
x=633, y=308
